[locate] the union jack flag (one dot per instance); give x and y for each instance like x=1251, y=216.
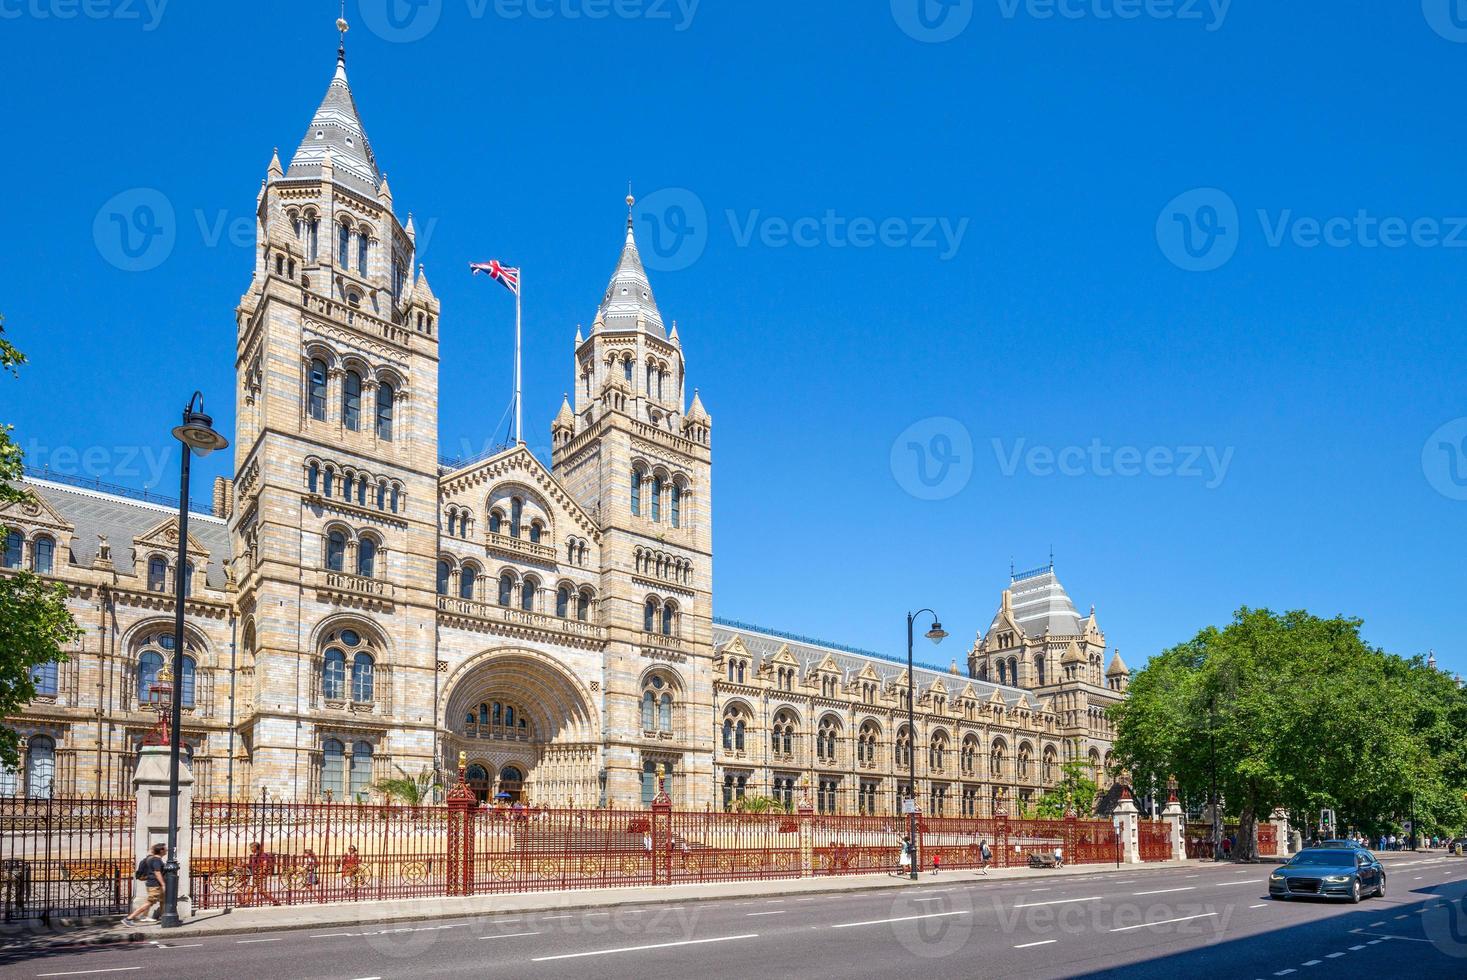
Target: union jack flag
x=508, y=277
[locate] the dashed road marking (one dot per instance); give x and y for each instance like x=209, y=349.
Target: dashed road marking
x=1260, y=905
x=510, y=935
x=1330, y=956
x=1163, y=922
x=900, y=918
x=1283, y=973
x=1313, y=962
x=1167, y=891
x=246, y=942
x=773, y=912
x=77, y=973
x=638, y=949
x=1042, y=942
x=1058, y=901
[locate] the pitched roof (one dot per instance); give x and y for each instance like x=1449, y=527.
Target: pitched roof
x=1040, y=603
x=628, y=296
x=336, y=131
x=93, y=513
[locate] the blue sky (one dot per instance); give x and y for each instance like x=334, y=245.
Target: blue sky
x=1017, y=240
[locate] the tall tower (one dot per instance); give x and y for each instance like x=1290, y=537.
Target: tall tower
x=636, y=458
x=334, y=515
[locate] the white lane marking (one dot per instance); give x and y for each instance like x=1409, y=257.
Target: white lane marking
x=1192, y=876
x=638, y=949
x=1260, y=905
x=510, y=935
x=1354, y=948
x=926, y=900
x=246, y=942
x=1374, y=942
x=1283, y=973
x=774, y=912
x=331, y=935
x=178, y=945
x=774, y=901
x=1165, y=891
x=900, y=918
x=1058, y=901
x=1224, y=884
x=1164, y=922
x=77, y=973
x=1313, y=962
x=1417, y=878
x=1330, y=956
x=1374, y=924
x=1042, y=942
x=567, y=916
x=598, y=913
x=804, y=899
x=1045, y=889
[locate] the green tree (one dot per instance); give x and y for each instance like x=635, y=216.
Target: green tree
x=34, y=621
x=413, y=790
x=1075, y=789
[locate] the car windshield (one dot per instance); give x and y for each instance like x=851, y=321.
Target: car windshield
x=1329, y=858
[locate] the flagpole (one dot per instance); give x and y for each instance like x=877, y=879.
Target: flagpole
x=518, y=434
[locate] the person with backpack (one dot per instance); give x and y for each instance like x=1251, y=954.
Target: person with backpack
x=986, y=855
x=149, y=871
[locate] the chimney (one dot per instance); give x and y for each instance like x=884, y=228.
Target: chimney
x=223, y=496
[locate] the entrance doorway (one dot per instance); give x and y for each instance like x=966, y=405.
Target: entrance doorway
x=478, y=780
x=511, y=784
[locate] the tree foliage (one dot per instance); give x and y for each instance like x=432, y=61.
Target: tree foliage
x=1299, y=712
x=414, y=790
x=1075, y=790
x=34, y=621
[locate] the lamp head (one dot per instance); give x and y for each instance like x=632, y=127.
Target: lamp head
x=197, y=431
x=937, y=634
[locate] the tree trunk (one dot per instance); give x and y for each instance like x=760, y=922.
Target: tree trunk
x=1246, y=848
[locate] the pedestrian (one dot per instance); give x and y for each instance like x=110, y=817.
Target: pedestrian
x=259, y=868
x=150, y=872
x=350, y=866
x=936, y=862
x=1059, y=856
x=904, y=859
x=986, y=855
x=311, y=864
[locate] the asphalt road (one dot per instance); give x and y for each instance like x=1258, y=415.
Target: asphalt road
x=1213, y=920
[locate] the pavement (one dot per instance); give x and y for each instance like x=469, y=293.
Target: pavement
x=1162, y=921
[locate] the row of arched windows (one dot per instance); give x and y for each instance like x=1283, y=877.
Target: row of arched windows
x=343, y=775
x=663, y=495
x=43, y=552
x=354, y=416
x=656, y=704
x=663, y=566
x=660, y=616
x=354, y=487
x=513, y=591
x=514, y=523
x=37, y=779
x=348, y=668
x=360, y=553
x=159, y=569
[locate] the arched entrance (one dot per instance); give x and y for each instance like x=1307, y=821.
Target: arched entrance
x=528, y=726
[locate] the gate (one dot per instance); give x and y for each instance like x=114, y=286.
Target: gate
x=1268, y=840
x=66, y=857
x=1154, y=840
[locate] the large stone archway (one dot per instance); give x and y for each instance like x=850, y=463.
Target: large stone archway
x=514, y=711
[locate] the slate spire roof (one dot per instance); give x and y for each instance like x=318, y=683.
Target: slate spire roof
x=336, y=130
x=628, y=297
x=1039, y=603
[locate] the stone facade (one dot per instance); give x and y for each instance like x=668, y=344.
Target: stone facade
x=359, y=606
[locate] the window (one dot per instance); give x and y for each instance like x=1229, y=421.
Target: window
x=583, y=606
x=361, y=768
x=669, y=614
x=825, y=795
x=496, y=522
x=149, y=665
x=648, y=701
x=361, y=253
x=677, y=506
x=444, y=572
x=40, y=767
x=506, y=589
x=43, y=676
x=562, y=601
x=351, y=401
x=382, y=495
x=516, y=511
x=333, y=675
x=44, y=555
x=333, y=759
x=157, y=574
x=313, y=233
x=664, y=712
x=361, y=678
x=649, y=616
x=636, y=493
x=14, y=549
x=366, y=557
x=468, y=578
x=330, y=482
x=728, y=728
x=527, y=594
x=313, y=477
x=626, y=368
x=657, y=498
x=336, y=551
x=385, y=396
x=316, y=392
x=535, y=531
x=343, y=245
x=186, y=683
x=650, y=369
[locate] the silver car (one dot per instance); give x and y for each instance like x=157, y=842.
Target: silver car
x=1329, y=872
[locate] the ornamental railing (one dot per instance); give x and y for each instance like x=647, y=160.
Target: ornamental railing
x=66, y=857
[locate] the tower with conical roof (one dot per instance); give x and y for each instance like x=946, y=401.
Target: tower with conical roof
x=334, y=517
x=628, y=450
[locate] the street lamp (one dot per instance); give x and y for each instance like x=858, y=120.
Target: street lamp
x=198, y=436
x=936, y=634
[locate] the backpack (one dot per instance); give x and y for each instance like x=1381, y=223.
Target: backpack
x=143, y=872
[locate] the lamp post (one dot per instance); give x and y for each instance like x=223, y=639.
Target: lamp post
x=936, y=634
x=198, y=436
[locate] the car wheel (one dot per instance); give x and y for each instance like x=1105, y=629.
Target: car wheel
x=1355, y=892
x=1380, y=888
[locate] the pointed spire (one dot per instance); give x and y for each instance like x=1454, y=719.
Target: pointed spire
x=1117, y=667
x=672, y=338
x=579, y=339
x=384, y=192
x=565, y=416
x=422, y=292
x=696, y=411
x=1072, y=654
x=410, y=231
x=628, y=303
x=337, y=128
x=275, y=170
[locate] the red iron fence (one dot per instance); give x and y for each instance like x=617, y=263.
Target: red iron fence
x=1155, y=841
x=66, y=857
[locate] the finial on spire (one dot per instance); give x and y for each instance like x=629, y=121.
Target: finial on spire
x=342, y=27
x=631, y=200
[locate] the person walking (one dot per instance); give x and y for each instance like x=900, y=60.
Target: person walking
x=1059, y=856
x=904, y=858
x=150, y=872
x=936, y=862
x=310, y=864
x=259, y=867
x=985, y=855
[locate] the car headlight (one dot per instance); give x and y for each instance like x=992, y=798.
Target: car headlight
x=1337, y=879
x=1275, y=877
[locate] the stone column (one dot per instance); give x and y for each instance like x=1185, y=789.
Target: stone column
x=807, y=832
x=1176, y=822
x=150, y=787
x=1280, y=821
x=1127, y=821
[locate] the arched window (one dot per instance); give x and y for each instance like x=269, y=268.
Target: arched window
x=362, y=678
x=677, y=506
x=343, y=244
x=44, y=555
x=385, y=396
x=149, y=665
x=316, y=391
x=333, y=675
x=445, y=571
x=157, y=574
x=336, y=551
x=351, y=401
x=468, y=577
x=188, y=579
x=536, y=529
x=333, y=760
x=1039, y=671
x=40, y=767
x=649, y=616
x=496, y=522
x=313, y=477
x=583, y=606
x=664, y=712
x=636, y=492
x=186, y=683
x=313, y=236
x=330, y=483
x=648, y=701
x=361, y=253
x=904, y=747
x=528, y=588
x=393, y=500
x=361, y=768
x=562, y=601
x=506, y=589
x=14, y=549
x=669, y=618
x=728, y=728
x=382, y=495
x=516, y=511
x=43, y=677
x=626, y=368
x=657, y=498
x=366, y=557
